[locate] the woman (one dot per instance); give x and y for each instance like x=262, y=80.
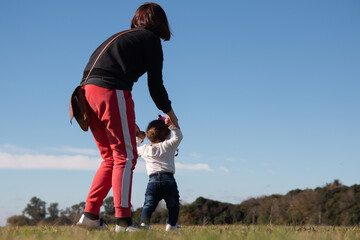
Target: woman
x=112, y=119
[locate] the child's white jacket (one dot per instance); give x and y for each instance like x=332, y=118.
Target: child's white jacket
x=160, y=157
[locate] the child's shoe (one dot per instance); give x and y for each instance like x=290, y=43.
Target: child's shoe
x=172, y=228
x=91, y=224
x=145, y=226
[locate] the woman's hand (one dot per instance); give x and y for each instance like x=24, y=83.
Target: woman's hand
x=172, y=119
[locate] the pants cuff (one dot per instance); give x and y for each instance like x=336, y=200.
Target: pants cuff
x=92, y=208
x=121, y=212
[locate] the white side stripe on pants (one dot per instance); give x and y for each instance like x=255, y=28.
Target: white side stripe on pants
x=129, y=150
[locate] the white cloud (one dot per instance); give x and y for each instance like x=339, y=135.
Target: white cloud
x=12, y=148
x=141, y=166
x=65, y=149
x=224, y=169
x=42, y=161
x=197, y=167
x=72, y=162
x=86, y=151
x=271, y=172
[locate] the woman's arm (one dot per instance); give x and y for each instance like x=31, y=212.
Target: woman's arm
x=173, y=119
x=154, y=64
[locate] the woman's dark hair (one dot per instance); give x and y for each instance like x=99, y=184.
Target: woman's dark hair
x=157, y=131
x=152, y=17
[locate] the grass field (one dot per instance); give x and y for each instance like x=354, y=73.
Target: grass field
x=187, y=232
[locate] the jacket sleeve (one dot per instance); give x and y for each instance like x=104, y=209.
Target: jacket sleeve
x=140, y=150
x=154, y=63
x=174, y=142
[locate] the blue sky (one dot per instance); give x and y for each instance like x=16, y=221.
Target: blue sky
x=266, y=92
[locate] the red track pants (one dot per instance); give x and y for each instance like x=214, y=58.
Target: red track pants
x=112, y=123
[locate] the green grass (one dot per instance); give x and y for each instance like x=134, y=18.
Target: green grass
x=237, y=232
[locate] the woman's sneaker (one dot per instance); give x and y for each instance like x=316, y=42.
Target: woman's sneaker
x=172, y=228
x=91, y=224
x=131, y=228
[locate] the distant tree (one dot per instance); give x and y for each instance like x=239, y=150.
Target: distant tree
x=187, y=215
x=65, y=213
x=19, y=220
x=136, y=215
x=78, y=209
x=53, y=210
x=109, y=206
x=251, y=210
x=334, y=204
x=334, y=185
x=279, y=211
x=303, y=208
x=337, y=182
x=205, y=211
x=36, y=209
x=237, y=213
x=73, y=213
x=330, y=197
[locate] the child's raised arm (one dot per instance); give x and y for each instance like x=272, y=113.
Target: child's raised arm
x=176, y=139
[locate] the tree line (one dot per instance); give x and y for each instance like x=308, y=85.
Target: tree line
x=334, y=204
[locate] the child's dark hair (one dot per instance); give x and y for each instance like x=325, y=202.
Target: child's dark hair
x=157, y=131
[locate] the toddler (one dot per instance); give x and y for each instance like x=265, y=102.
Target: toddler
x=159, y=158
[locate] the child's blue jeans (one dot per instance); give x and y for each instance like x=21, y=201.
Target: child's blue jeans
x=161, y=186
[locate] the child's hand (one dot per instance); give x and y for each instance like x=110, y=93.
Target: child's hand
x=168, y=121
x=140, y=133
